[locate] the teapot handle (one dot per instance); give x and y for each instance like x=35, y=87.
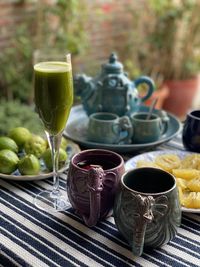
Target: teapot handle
x=149, y=82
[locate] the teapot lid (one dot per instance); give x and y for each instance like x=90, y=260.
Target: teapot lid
x=113, y=66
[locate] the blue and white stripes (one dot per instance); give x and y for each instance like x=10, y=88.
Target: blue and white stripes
x=31, y=237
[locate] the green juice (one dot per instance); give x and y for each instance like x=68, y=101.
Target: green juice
x=53, y=94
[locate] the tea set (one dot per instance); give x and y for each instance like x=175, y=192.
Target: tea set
x=111, y=100
x=144, y=201
x=113, y=114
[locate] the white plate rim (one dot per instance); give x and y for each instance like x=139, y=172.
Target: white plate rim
x=131, y=163
x=39, y=176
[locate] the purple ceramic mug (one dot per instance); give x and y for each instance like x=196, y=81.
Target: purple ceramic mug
x=93, y=179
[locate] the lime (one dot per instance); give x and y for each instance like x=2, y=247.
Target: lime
x=8, y=161
x=20, y=135
x=63, y=143
x=29, y=165
x=35, y=145
x=48, y=161
x=8, y=143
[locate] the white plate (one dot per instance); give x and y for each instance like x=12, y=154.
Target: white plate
x=150, y=156
x=72, y=149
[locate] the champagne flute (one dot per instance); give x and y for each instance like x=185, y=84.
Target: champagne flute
x=53, y=94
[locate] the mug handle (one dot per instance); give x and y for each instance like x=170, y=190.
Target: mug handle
x=164, y=121
x=149, y=82
x=125, y=125
x=148, y=208
x=143, y=216
x=95, y=186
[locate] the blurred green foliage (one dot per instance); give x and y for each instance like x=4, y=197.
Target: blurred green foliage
x=14, y=114
x=63, y=26
x=57, y=27
x=167, y=44
x=16, y=66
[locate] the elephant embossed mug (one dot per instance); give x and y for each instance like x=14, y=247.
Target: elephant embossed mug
x=147, y=210
x=109, y=128
x=93, y=178
x=146, y=130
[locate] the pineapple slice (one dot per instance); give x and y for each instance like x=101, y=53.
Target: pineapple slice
x=191, y=200
x=181, y=183
x=145, y=163
x=168, y=162
x=186, y=174
x=194, y=185
x=191, y=162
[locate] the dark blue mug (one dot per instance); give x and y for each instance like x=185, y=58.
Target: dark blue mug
x=191, y=131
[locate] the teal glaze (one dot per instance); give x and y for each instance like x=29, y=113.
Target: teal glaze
x=111, y=90
x=108, y=128
x=76, y=131
x=148, y=130
x=147, y=210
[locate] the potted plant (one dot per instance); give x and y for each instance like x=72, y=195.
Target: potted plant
x=166, y=46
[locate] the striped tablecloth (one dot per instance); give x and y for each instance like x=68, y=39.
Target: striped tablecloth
x=30, y=237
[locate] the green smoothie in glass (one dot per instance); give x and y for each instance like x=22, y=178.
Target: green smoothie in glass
x=53, y=94
x=53, y=99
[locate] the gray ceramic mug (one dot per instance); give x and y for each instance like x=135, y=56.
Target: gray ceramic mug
x=147, y=210
x=93, y=178
x=146, y=130
x=109, y=128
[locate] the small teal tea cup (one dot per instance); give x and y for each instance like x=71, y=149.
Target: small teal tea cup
x=146, y=130
x=147, y=210
x=109, y=128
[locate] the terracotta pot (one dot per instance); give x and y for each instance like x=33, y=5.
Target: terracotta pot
x=161, y=94
x=181, y=96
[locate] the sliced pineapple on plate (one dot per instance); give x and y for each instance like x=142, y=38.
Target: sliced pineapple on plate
x=168, y=162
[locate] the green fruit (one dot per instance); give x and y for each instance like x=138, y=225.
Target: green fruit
x=8, y=161
x=8, y=143
x=29, y=165
x=36, y=145
x=20, y=135
x=48, y=161
x=63, y=143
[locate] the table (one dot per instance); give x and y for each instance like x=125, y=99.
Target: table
x=31, y=237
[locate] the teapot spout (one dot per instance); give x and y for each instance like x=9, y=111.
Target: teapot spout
x=81, y=82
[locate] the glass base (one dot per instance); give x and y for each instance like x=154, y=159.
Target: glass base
x=51, y=201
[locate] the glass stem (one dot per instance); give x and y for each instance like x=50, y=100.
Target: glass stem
x=54, y=144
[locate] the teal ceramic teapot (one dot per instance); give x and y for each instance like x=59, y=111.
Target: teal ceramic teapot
x=111, y=90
